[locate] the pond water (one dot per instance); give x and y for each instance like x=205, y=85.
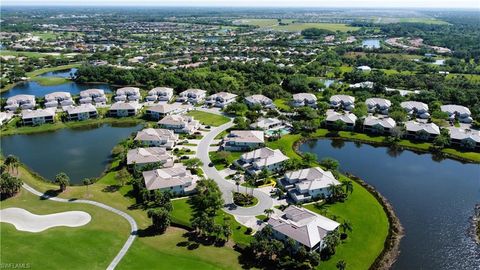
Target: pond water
x=371, y=43
x=433, y=199
x=79, y=152
x=67, y=73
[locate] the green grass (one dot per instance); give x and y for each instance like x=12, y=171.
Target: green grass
x=297, y=27
x=208, y=119
x=370, y=229
x=470, y=77
x=283, y=105
x=285, y=144
x=219, y=164
x=50, y=69
x=422, y=20
x=91, y=246
x=20, y=53
x=50, y=81
x=261, y=217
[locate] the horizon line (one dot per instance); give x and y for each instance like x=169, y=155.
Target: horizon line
x=234, y=7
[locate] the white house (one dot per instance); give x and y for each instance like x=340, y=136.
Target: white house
x=193, y=96
x=378, y=105
x=378, y=125
x=81, y=112
x=306, y=228
x=344, y=102
x=261, y=100
x=176, y=179
x=348, y=118
x=179, y=123
x=93, y=95
x=142, y=156
x=243, y=140
x=462, y=113
x=268, y=124
x=306, y=184
x=122, y=109
x=38, y=117
x=161, y=110
x=24, y=102
x=157, y=137
x=160, y=94
x=58, y=99
x=367, y=85
x=364, y=68
x=221, y=99
x=416, y=108
x=421, y=131
x=262, y=159
x=5, y=117
x=128, y=94
x=465, y=138
x=304, y=99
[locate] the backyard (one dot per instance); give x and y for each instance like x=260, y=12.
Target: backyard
x=208, y=119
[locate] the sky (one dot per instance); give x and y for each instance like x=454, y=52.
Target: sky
x=253, y=3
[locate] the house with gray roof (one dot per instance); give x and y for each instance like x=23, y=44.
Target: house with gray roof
x=161, y=110
x=367, y=85
x=346, y=117
x=306, y=228
x=268, y=124
x=221, y=99
x=180, y=123
x=193, y=96
x=459, y=112
x=343, y=102
x=38, y=117
x=378, y=125
x=416, y=109
x=81, y=112
x=261, y=100
x=157, y=137
x=421, y=131
x=140, y=157
x=128, y=94
x=5, y=117
x=177, y=179
x=124, y=109
x=96, y=96
x=304, y=99
x=24, y=102
x=262, y=159
x=58, y=99
x=465, y=138
x=160, y=94
x=243, y=140
x=378, y=105
x=307, y=184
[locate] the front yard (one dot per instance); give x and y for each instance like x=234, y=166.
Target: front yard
x=208, y=119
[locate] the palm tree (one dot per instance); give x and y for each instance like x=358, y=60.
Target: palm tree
x=348, y=186
x=336, y=191
x=268, y=212
x=87, y=182
x=12, y=162
x=237, y=183
x=346, y=226
x=62, y=180
x=341, y=265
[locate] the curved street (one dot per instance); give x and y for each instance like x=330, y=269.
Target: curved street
x=133, y=224
x=227, y=186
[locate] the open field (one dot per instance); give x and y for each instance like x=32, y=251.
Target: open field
x=208, y=119
x=20, y=53
x=422, y=20
x=297, y=26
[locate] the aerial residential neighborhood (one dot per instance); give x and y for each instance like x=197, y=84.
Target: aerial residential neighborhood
x=239, y=135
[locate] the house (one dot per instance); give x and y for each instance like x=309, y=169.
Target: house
x=122, y=109
x=221, y=99
x=38, y=117
x=378, y=105
x=157, y=137
x=161, y=110
x=365, y=85
x=378, y=125
x=348, y=118
x=128, y=94
x=81, y=112
x=465, y=138
x=179, y=123
x=306, y=184
x=364, y=68
x=24, y=102
x=243, y=140
x=160, y=94
x=304, y=99
x=176, y=179
x=5, y=117
x=421, y=131
x=261, y=100
x=142, y=156
x=462, y=113
x=58, y=99
x=344, y=102
x=415, y=108
x=268, y=123
x=93, y=95
x=193, y=96
x=306, y=228
x=262, y=159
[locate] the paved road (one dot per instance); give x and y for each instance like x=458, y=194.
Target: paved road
x=264, y=199
x=133, y=224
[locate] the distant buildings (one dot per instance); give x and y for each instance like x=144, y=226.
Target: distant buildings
x=160, y=94
x=176, y=179
x=261, y=100
x=157, y=137
x=121, y=109
x=262, y=159
x=461, y=113
x=421, y=131
x=81, y=112
x=304, y=99
x=243, y=140
x=415, y=108
x=364, y=68
x=221, y=99
x=38, y=117
x=347, y=118
x=378, y=105
x=142, y=156
x=161, y=110
x=96, y=96
x=58, y=99
x=24, y=102
x=343, y=102
x=193, y=96
x=179, y=123
x=379, y=125
x=128, y=94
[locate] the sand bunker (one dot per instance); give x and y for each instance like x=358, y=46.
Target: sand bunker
x=26, y=221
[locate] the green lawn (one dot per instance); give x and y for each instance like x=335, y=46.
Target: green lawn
x=285, y=144
x=91, y=246
x=50, y=81
x=297, y=27
x=219, y=164
x=283, y=105
x=20, y=53
x=370, y=229
x=422, y=20
x=45, y=70
x=208, y=119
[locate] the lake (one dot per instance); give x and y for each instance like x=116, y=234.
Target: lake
x=79, y=152
x=433, y=199
x=67, y=73
x=371, y=43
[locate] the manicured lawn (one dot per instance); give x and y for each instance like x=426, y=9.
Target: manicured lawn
x=49, y=81
x=208, y=119
x=370, y=229
x=20, y=53
x=282, y=105
x=91, y=246
x=285, y=144
x=218, y=162
x=296, y=27
x=422, y=20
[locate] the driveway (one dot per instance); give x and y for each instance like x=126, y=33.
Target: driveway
x=264, y=199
